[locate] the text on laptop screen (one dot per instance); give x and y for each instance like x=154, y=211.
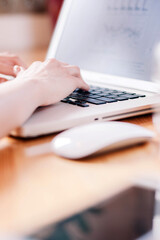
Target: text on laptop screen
x=114, y=37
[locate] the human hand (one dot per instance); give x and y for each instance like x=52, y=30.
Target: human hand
x=7, y=63
x=53, y=80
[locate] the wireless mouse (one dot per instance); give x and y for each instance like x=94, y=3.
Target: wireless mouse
x=85, y=140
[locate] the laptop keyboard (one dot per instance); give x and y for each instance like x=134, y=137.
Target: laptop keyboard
x=98, y=96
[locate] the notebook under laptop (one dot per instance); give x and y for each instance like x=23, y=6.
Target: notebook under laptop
x=112, y=41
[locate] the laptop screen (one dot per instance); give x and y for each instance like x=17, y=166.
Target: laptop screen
x=114, y=37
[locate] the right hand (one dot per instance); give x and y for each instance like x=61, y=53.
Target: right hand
x=55, y=80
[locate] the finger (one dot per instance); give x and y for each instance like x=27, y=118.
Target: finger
x=85, y=86
x=6, y=69
x=49, y=61
x=18, y=61
x=56, y=61
x=11, y=59
x=7, y=62
x=64, y=64
x=34, y=66
x=82, y=84
x=18, y=70
x=74, y=71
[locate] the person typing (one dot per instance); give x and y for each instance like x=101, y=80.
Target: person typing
x=41, y=84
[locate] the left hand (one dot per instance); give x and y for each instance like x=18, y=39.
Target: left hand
x=7, y=63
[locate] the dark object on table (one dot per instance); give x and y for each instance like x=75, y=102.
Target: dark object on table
x=126, y=216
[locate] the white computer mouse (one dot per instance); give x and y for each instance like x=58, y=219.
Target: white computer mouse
x=85, y=140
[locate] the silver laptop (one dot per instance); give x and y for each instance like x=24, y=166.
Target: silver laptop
x=112, y=41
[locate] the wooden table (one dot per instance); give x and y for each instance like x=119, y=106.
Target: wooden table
x=37, y=190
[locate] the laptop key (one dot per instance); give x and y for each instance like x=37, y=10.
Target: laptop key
x=90, y=95
x=109, y=91
x=118, y=93
x=94, y=96
x=130, y=96
x=81, y=104
x=71, y=102
x=85, y=97
x=95, y=101
x=95, y=92
x=79, y=97
x=112, y=96
x=75, y=95
x=108, y=100
x=121, y=98
x=65, y=100
x=141, y=95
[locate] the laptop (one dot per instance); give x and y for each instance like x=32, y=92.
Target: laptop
x=112, y=42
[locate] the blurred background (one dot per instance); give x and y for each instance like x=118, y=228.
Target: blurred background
x=27, y=24
x=19, y=6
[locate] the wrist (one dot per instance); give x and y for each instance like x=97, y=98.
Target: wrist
x=19, y=99
x=31, y=90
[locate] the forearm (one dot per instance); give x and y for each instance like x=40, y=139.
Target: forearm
x=18, y=99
